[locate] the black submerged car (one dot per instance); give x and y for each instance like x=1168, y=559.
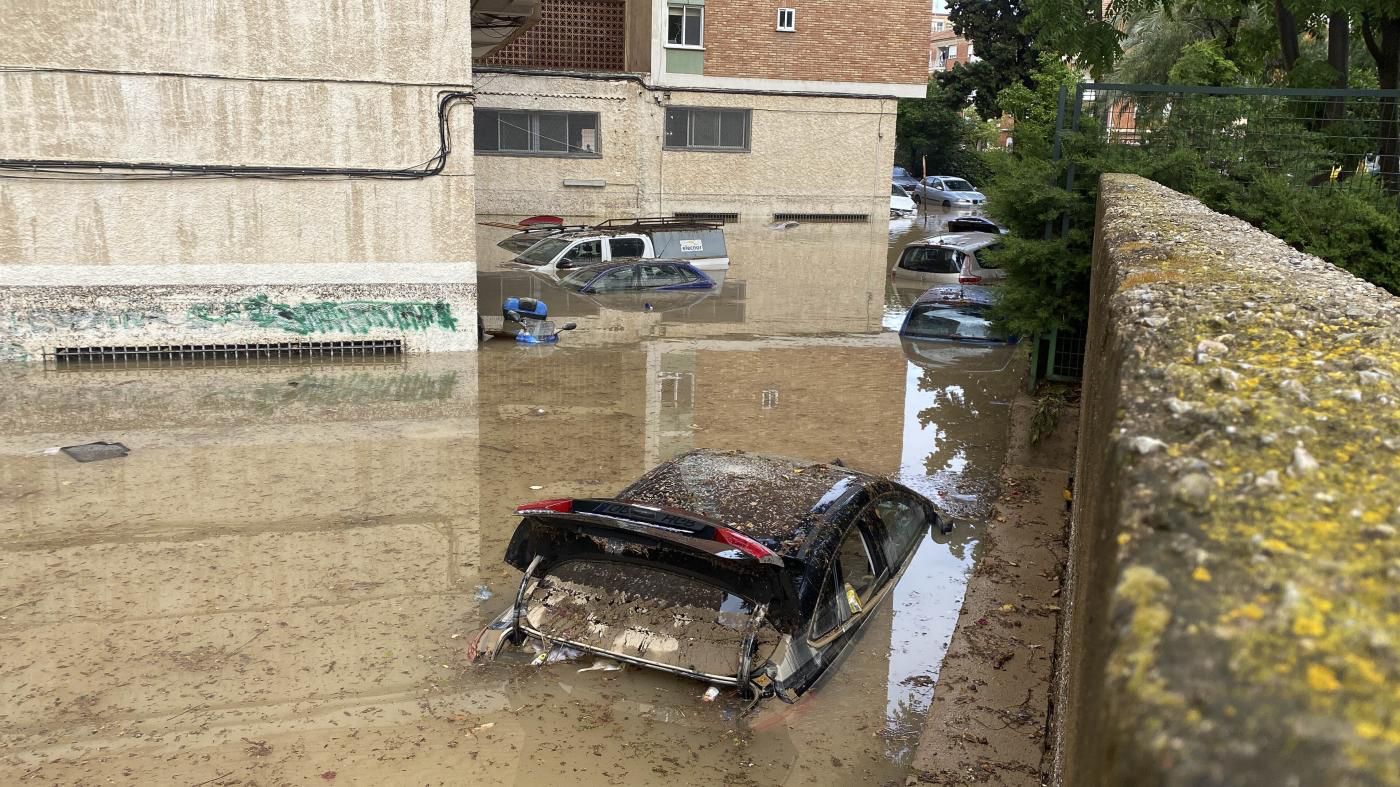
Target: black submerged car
x=735, y=569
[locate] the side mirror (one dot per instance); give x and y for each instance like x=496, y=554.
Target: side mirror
x=568, y=326
x=564, y=265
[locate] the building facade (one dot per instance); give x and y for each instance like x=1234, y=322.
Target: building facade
x=263, y=174
x=946, y=49
x=735, y=107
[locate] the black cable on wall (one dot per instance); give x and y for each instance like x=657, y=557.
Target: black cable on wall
x=69, y=169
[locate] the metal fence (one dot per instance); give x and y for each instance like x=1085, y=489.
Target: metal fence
x=1288, y=137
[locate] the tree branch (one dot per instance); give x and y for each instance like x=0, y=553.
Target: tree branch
x=1369, y=36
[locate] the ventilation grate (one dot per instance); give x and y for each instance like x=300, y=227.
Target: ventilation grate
x=723, y=218
x=824, y=218
x=70, y=356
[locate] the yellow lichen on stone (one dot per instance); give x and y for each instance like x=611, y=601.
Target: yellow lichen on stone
x=1323, y=679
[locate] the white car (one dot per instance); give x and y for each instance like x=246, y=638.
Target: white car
x=959, y=258
x=900, y=203
x=701, y=245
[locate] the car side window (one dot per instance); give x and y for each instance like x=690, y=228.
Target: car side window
x=857, y=569
x=828, y=614
x=902, y=523
x=848, y=585
x=617, y=279
x=660, y=276
x=627, y=247
x=585, y=252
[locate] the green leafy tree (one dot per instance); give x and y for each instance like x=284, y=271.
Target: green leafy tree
x=1005, y=53
x=932, y=129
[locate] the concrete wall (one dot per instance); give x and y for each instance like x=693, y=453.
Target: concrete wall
x=807, y=153
x=1231, y=611
x=264, y=83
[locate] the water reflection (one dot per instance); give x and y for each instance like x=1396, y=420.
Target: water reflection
x=277, y=582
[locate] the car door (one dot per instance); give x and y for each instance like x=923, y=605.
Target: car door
x=616, y=280
x=582, y=253
x=855, y=580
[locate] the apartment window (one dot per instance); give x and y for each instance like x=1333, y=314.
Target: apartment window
x=686, y=26
x=787, y=20
x=938, y=27
x=942, y=61
x=534, y=133
x=694, y=128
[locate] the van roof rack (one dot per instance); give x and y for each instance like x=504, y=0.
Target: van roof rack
x=659, y=223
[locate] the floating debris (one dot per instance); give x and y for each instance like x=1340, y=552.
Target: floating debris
x=96, y=452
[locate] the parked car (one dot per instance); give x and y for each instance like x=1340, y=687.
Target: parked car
x=904, y=180
x=950, y=192
x=900, y=203
x=735, y=569
x=958, y=258
x=953, y=313
x=634, y=274
x=975, y=224
x=701, y=244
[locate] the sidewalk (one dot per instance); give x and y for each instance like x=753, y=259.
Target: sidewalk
x=988, y=721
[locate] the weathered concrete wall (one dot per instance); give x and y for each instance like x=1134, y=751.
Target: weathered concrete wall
x=807, y=154
x=1231, y=615
x=265, y=83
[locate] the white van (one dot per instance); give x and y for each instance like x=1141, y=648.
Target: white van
x=698, y=243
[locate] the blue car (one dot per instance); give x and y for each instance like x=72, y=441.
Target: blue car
x=957, y=313
x=637, y=275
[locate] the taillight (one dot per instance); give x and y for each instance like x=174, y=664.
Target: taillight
x=546, y=506
x=742, y=543
x=969, y=279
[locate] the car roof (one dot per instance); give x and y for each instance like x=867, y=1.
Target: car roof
x=956, y=177
x=964, y=241
x=623, y=262
x=773, y=499
x=958, y=293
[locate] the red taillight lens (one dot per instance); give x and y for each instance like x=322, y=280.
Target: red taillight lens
x=742, y=543
x=969, y=279
x=554, y=506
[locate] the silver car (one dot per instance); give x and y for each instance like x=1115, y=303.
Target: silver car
x=950, y=192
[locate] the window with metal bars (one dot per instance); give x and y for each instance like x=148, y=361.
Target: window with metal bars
x=698, y=128
x=519, y=132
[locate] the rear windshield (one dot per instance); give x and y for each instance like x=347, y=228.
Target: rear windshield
x=931, y=259
x=647, y=613
x=542, y=253
x=951, y=321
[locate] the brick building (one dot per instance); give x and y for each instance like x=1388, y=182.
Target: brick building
x=946, y=49
x=627, y=107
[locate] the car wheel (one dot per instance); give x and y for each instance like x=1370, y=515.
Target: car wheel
x=947, y=204
x=915, y=197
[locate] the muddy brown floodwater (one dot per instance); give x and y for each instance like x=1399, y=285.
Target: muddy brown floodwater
x=277, y=584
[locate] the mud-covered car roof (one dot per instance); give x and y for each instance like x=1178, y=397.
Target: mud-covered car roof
x=772, y=499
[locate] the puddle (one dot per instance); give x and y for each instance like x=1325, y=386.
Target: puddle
x=280, y=583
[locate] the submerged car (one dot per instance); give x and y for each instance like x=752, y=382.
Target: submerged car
x=637, y=275
x=901, y=178
x=735, y=569
x=975, y=224
x=954, y=313
x=958, y=258
x=900, y=204
x=948, y=191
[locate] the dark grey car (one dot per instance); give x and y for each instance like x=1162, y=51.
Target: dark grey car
x=735, y=569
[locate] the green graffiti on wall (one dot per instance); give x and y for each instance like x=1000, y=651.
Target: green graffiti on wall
x=329, y=316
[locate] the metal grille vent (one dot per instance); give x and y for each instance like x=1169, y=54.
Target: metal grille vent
x=724, y=218
x=824, y=218
x=68, y=356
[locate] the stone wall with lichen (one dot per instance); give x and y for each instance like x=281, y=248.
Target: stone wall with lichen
x=1233, y=602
